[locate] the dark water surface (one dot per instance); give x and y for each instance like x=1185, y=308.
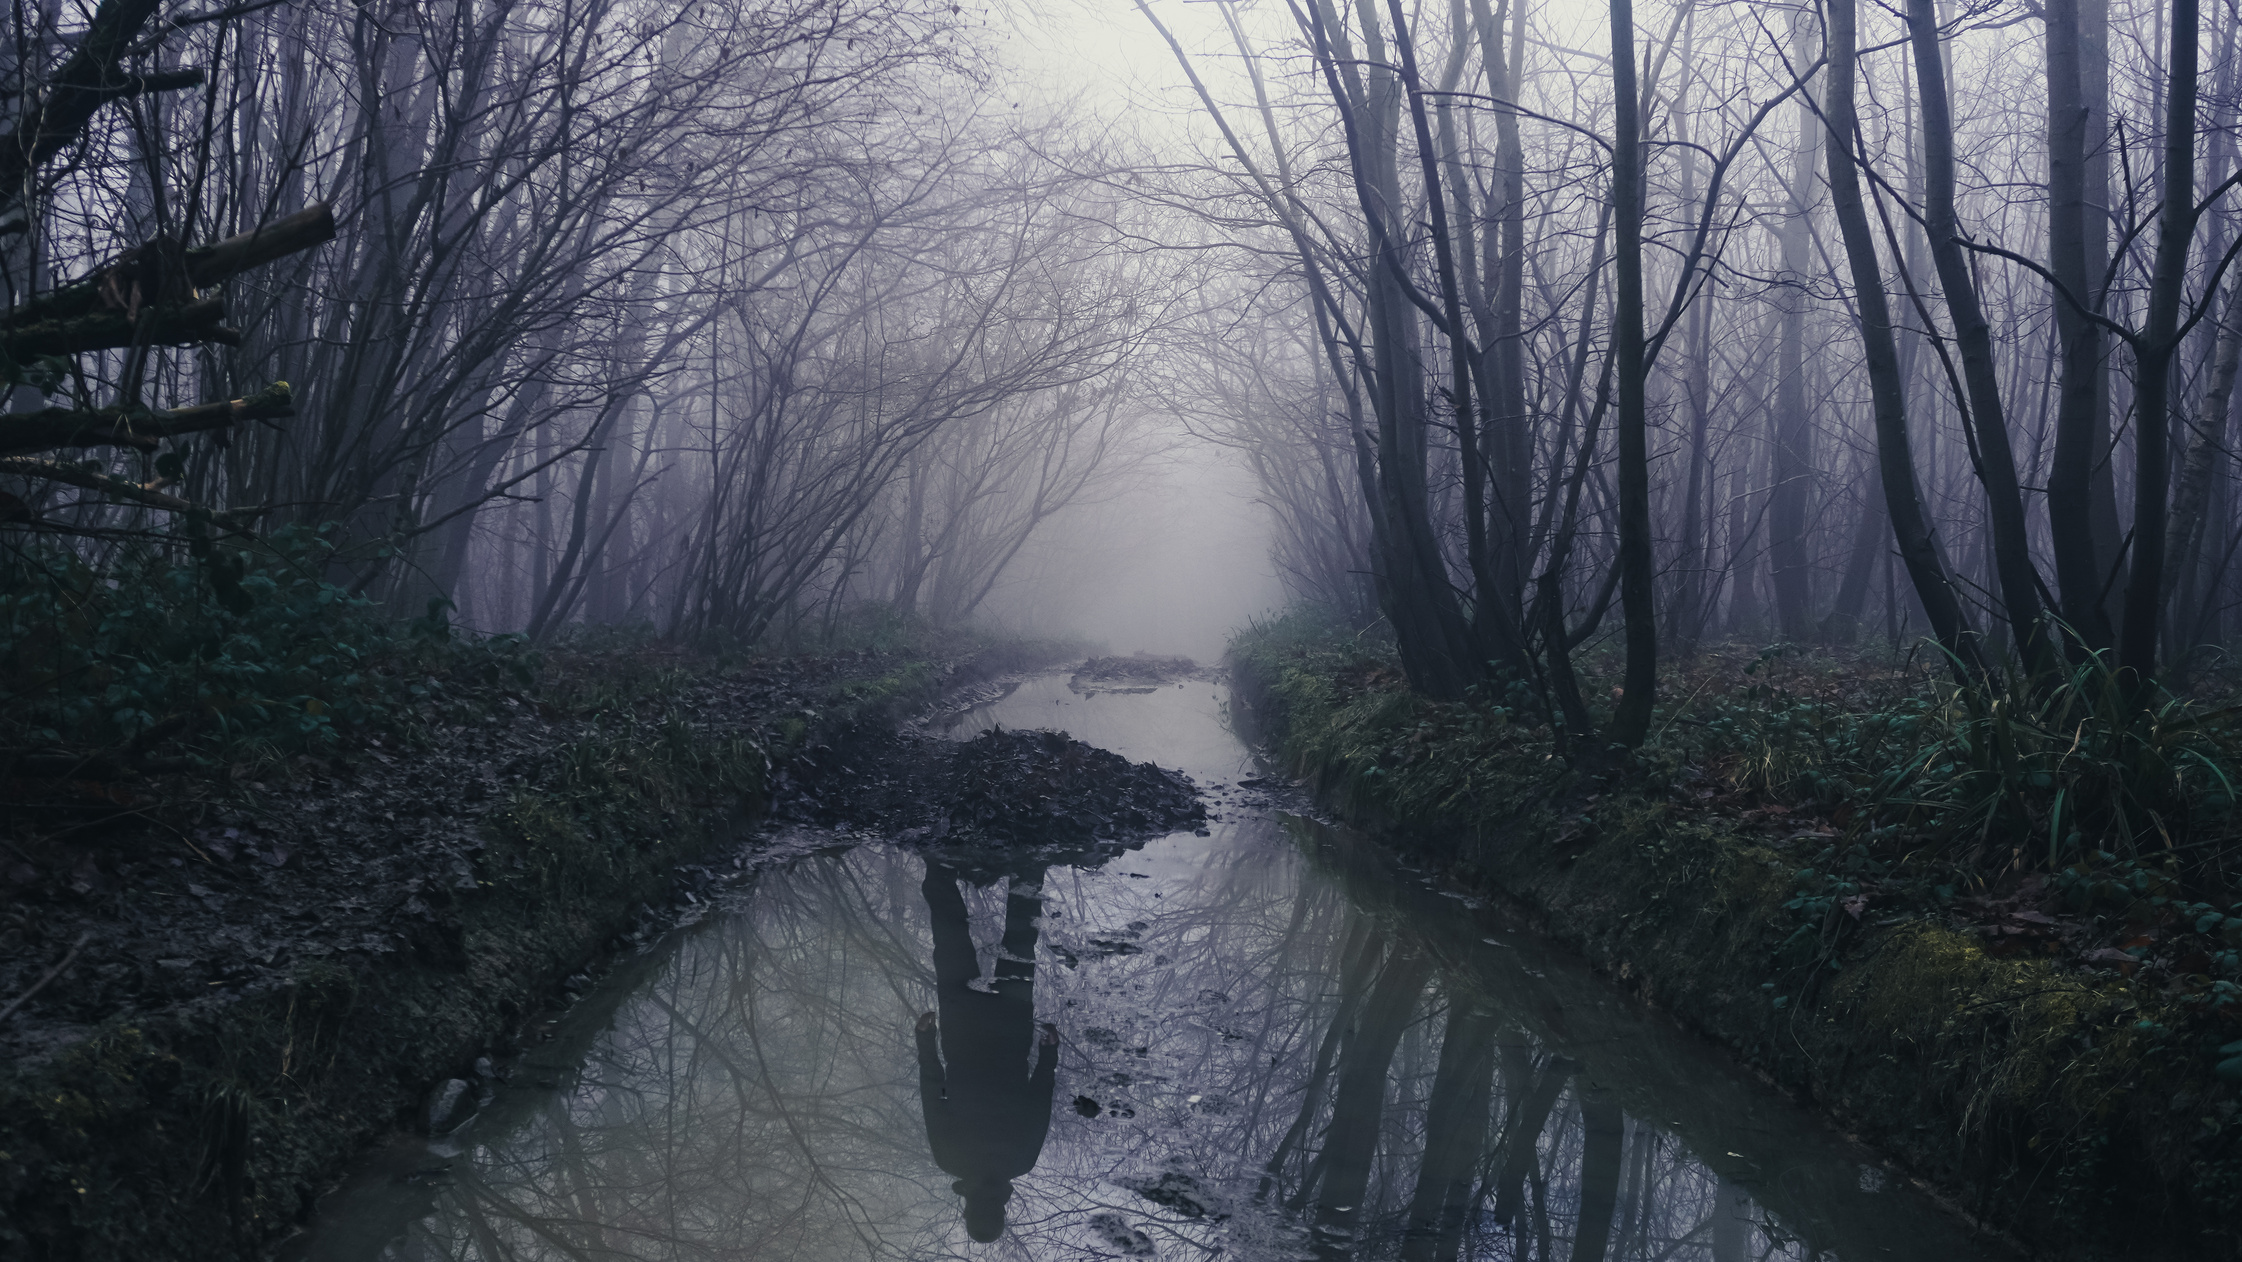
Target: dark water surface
x=1271, y=1042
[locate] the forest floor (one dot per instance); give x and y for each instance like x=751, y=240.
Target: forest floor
x=169, y=890
x=219, y=982
x=1808, y=863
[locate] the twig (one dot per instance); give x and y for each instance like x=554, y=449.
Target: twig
x=52, y=973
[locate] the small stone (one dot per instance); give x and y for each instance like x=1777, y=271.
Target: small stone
x=450, y=1103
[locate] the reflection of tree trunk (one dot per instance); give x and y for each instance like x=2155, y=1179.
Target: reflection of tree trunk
x=1350, y=1143
x=1602, y=1148
x=1641, y=1197
x=1732, y=1224
x=1363, y=945
x=1522, y=1134
x=1455, y=1130
x=1542, y=1233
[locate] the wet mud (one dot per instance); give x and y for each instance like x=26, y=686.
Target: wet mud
x=1140, y=673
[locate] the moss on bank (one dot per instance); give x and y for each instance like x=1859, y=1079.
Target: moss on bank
x=206, y=1128
x=2073, y=1107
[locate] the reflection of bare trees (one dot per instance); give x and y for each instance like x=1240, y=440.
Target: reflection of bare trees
x=1286, y=1057
x=1456, y=1122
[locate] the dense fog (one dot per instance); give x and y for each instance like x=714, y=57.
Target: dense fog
x=1515, y=330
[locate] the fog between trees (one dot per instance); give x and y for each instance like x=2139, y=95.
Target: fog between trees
x=1535, y=326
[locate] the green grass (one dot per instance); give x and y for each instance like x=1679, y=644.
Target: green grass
x=1793, y=862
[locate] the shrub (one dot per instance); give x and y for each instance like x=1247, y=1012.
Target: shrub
x=229, y=651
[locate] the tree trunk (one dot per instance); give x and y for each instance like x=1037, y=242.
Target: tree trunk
x=2081, y=424
x=2191, y=498
x=2153, y=352
x=1691, y=563
x=1843, y=625
x=1421, y=605
x=1630, y=722
x=2004, y=500
x=1895, y=459
x=1788, y=553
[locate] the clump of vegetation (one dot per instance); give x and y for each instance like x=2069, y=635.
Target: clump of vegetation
x=150, y=660
x=2012, y=902
x=1345, y=710
x=2056, y=818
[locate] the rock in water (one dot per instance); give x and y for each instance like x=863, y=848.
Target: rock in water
x=1115, y=1231
x=450, y=1103
x=1176, y=1189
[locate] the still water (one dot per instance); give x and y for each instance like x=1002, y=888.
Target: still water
x=1269, y=1042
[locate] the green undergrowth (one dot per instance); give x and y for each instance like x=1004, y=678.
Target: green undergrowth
x=1838, y=867
x=206, y=654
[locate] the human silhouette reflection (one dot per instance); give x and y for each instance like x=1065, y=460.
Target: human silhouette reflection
x=986, y=1113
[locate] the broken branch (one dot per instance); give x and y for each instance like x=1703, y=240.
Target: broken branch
x=138, y=428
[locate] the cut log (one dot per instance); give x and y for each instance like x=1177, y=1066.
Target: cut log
x=106, y=330
x=209, y=264
x=152, y=269
x=138, y=428
x=91, y=78
x=93, y=480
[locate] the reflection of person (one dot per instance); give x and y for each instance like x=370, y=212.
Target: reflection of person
x=986, y=1113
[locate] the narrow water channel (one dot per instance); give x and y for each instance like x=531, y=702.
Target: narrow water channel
x=1267, y=1042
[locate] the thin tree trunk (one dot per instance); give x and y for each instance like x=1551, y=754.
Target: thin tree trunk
x=1630, y=722
x=1788, y=553
x=2081, y=425
x=2004, y=500
x=2153, y=352
x=1692, y=563
x=1911, y=529
x=2191, y=498
x=1602, y=1152
x=1843, y=625
x=1531, y=1105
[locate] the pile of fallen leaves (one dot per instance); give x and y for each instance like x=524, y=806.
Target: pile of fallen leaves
x=1030, y=788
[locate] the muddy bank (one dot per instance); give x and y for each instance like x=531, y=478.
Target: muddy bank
x=1001, y=798
x=2048, y=1096
x=242, y=986
x=1138, y=673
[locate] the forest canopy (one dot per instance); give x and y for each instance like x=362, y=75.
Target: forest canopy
x=1537, y=326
